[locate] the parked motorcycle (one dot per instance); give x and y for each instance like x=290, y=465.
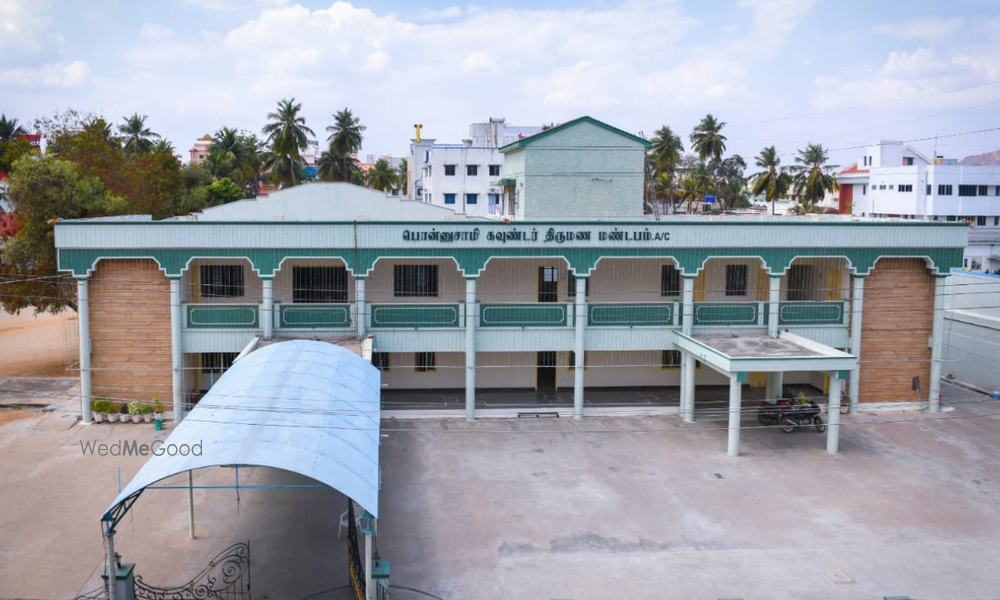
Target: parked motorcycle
x=790, y=416
x=770, y=413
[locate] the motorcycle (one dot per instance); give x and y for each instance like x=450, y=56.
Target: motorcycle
x=790, y=416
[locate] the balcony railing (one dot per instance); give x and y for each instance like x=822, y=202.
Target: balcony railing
x=223, y=316
x=631, y=315
x=305, y=316
x=415, y=315
x=747, y=314
x=541, y=314
x=813, y=313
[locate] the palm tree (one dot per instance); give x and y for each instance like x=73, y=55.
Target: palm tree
x=227, y=152
x=813, y=177
x=164, y=145
x=346, y=135
x=9, y=129
x=99, y=126
x=773, y=181
x=287, y=135
x=403, y=174
x=382, y=177
x=331, y=167
x=708, y=141
x=255, y=159
x=666, y=155
x=136, y=137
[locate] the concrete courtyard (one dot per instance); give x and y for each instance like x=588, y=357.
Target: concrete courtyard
x=638, y=507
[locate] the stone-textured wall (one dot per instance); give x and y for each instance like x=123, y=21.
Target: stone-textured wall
x=130, y=331
x=898, y=321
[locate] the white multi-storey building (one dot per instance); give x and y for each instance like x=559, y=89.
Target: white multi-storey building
x=892, y=179
x=464, y=177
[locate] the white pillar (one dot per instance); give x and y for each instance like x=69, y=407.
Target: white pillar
x=369, y=593
x=109, y=538
x=267, y=307
x=856, y=303
x=774, y=385
x=83, y=321
x=689, y=368
x=833, y=415
x=190, y=505
x=176, y=347
x=773, y=306
x=580, y=346
x=682, y=410
x=687, y=299
x=471, y=314
x=735, y=404
x=934, y=404
x=360, y=309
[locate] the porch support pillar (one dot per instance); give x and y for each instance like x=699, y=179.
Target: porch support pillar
x=580, y=320
x=858, y=299
x=735, y=405
x=774, y=384
x=833, y=415
x=109, y=542
x=773, y=305
x=83, y=321
x=687, y=380
x=687, y=299
x=360, y=311
x=267, y=307
x=937, y=337
x=471, y=318
x=176, y=347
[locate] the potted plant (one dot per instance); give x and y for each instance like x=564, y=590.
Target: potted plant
x=135, y=411
x=97, y=409
x=147, y=413
x=111, y=413
x=157, y=414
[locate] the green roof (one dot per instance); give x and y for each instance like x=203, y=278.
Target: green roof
x=532, y=138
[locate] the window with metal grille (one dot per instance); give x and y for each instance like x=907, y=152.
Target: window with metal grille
x=472, y=170
x=494, y=170
x=670, y=359
x=319, y=284
x=449, y=170
x=981, y=221
x=800, y=279
x=425, y=362
x=928, y=189
x=984, y=190
x=905, y=187
x=472, y=198
x=571, y=286
x=736, y=280
x=670, y=281
x=415, y=281
x=944, y=190
x=217, y=362
x=381, y=361
x=222, y=281
x=966, y=190
x=571, y=361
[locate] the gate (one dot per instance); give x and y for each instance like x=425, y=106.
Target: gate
x=227, y=577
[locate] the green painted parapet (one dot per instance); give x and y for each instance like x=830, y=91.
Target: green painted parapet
x=222, y=316
x=626, y=315
x=523, y=315
x=414, y=315
x=300, y=316
x=729, y=313
x=811, y=313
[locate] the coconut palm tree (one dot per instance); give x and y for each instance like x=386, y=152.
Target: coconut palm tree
x=331, y=167
x=666, y=155
x=707, y=140
x=227, y=153
x=136, y=137
x=813, y=178
x=165, y=146
x=773, y=181
x=286, y=133
x=256, y=157
x=9, y=129
x=346, y=135
x=382, y=177
x=402, y=175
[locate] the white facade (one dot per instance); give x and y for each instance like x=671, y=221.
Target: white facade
x=461, y=176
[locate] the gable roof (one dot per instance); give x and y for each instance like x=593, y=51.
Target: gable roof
x=533, y=138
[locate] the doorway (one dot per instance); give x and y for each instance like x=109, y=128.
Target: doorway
x=545, y=378
x=548, y=284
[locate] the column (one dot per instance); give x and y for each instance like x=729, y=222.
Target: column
x=580, y=347
x=176, y=347
x=83, y=321
x=360, y=310
x=773, y=305
x=689, y=368
x=735, y=404
x=934, y=404
x=833, y=415
x=471, y=315
x=856, y=302
x=774, y=383
x=687, y=299
x=267, y=310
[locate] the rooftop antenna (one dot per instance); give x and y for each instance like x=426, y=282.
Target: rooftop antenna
x=418, y=127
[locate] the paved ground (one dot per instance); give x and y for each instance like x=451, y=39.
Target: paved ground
x=551, y=508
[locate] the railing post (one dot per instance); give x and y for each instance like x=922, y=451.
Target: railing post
x=688, y=299
x=267, y=309
x=833, y=415
x=360, y=310
x=854, y=386
x=83, y=321
x=471, y=315
x=937, y=335
x=774, y=305
x=176, y=348
x=580, y=320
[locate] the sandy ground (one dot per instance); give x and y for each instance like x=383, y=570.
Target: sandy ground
x=38, y=346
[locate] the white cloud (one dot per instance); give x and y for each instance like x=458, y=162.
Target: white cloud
x=921, y=61
x=232, y=4
x=930, y=28
x=22, y=23
x=152, y=31
x=478, y=61
x=70, y=74
x=714, y=83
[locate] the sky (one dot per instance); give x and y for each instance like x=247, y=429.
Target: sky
x=782, y=72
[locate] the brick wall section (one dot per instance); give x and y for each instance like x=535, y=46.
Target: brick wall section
x=130, y=331
x=898, y=321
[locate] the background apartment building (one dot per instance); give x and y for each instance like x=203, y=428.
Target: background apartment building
x=892, y=179
x=464, y=177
